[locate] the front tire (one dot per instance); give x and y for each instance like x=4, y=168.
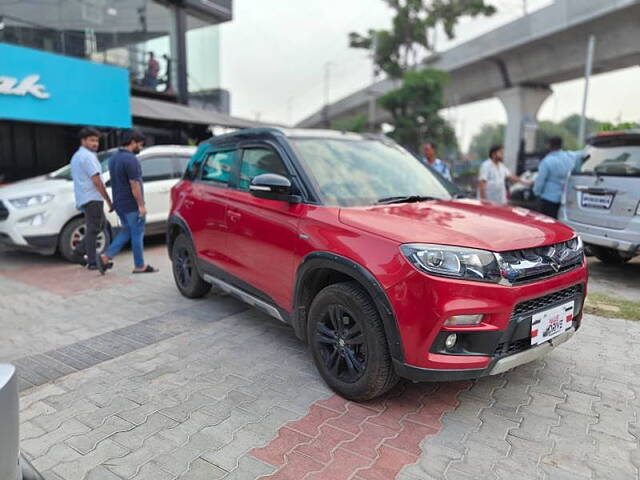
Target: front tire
x=348, y=343
x=72, y=236
x=185, y=270
x=611, y=256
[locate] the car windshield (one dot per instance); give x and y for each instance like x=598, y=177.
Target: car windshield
x=612, y=161
x=64, y=173
x=364, y=172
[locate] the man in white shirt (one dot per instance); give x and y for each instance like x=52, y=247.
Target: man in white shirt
x=492, y=185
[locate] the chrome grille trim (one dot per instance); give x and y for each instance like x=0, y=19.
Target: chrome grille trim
x=527, y=265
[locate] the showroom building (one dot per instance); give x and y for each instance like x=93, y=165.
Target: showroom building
x=111, y=64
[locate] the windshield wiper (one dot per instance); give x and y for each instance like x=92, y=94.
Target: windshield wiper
x=405, y=199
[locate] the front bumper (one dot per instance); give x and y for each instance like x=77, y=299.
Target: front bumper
x=423, y=303
x=495, y=367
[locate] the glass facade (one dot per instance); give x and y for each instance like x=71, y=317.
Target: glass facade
x=139, y=35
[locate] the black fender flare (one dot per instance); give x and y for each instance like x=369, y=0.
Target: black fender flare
x=346, y=266
x=175, y=220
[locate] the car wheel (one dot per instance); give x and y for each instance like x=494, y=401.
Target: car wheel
x=71, y=240
x=348, y=343
x=185, y=270
x=611, y=256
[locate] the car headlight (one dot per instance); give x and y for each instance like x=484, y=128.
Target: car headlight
x=455, y=262
x=31, y=200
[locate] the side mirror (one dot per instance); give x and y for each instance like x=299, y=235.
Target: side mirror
x=271, y=186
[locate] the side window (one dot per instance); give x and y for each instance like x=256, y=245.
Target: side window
x=157, y=168
x=256, y=161
x=218, y=167
x=180, y=165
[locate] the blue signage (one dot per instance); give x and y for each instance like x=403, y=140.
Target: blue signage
x=44, y=87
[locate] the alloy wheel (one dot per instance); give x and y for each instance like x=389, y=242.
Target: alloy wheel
x=341, y=342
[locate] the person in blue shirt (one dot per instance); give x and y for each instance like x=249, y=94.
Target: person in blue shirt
x=553, y=173
x=89, y=192
x=431, y=158
x=128, y=201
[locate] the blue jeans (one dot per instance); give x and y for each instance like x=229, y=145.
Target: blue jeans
x=132, y=229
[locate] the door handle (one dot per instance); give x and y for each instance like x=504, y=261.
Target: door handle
x=234, y=216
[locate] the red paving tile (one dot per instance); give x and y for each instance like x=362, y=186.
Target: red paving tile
x=335, y=403
x=368, y=439
x=410, y=437
x=65, y=280
x=321, y=447
x=388, y=464
x=274, y=453
x=342, y=466
x=310, y=423
x=372, y=441
x=351, y=420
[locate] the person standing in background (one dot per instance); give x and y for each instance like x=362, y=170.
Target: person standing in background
x=430, y=150
x=89, y=191
x=128, y=201
x=552, y=176
x=492, y=180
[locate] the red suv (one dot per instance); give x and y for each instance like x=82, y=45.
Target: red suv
x=371, y=258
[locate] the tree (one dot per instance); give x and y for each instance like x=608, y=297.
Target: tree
x=490, y=134
x=414, y=108
x=399, y=51
x=355, y=123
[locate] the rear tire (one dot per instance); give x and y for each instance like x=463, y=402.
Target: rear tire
x=185, y=269
x=348, y=344
x=611, y=256
x=73, y=234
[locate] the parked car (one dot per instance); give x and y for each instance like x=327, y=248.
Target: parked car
x=602, y=198
x=13, y=465
x=364, y=251
x=521, y=193
x=40, y=215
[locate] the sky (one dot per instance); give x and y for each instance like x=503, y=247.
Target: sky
x=275, y=55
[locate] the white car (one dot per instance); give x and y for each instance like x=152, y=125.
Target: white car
x=39, y=214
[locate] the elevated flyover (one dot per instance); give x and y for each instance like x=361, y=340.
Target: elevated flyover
x=518, y=62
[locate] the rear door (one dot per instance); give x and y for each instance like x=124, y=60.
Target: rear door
x=605, y=190
x=208, y=198
x=263, y=233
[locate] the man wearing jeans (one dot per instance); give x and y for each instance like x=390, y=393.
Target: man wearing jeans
x=128, y=202
x=89, y=191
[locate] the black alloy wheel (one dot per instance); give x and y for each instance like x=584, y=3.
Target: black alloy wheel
x=342, y=344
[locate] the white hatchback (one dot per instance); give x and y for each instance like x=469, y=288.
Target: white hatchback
x=39, y=214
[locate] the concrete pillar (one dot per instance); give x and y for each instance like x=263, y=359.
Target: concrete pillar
x=522, y=105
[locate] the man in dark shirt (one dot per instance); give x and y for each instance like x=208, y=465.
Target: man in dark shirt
x=128, y=201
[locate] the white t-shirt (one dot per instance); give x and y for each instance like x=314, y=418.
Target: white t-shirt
x=495, y=176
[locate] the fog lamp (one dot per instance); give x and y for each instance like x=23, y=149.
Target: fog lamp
x=450, y=341
x=458, y=320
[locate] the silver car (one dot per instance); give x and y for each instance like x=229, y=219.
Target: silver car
x=13, y=465
x=602, y=198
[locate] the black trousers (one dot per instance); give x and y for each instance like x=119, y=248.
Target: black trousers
x=550, y=209
x=94, y=224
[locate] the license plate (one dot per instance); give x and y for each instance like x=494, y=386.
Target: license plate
x=603, y=202
x=551, y=323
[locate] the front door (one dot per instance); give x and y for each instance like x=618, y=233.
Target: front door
x=263, y=234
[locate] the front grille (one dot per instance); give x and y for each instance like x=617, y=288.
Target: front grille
x=531, y=306
x=527, y=265
x=520, y=333
x=4, y=212
x=513, y=347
